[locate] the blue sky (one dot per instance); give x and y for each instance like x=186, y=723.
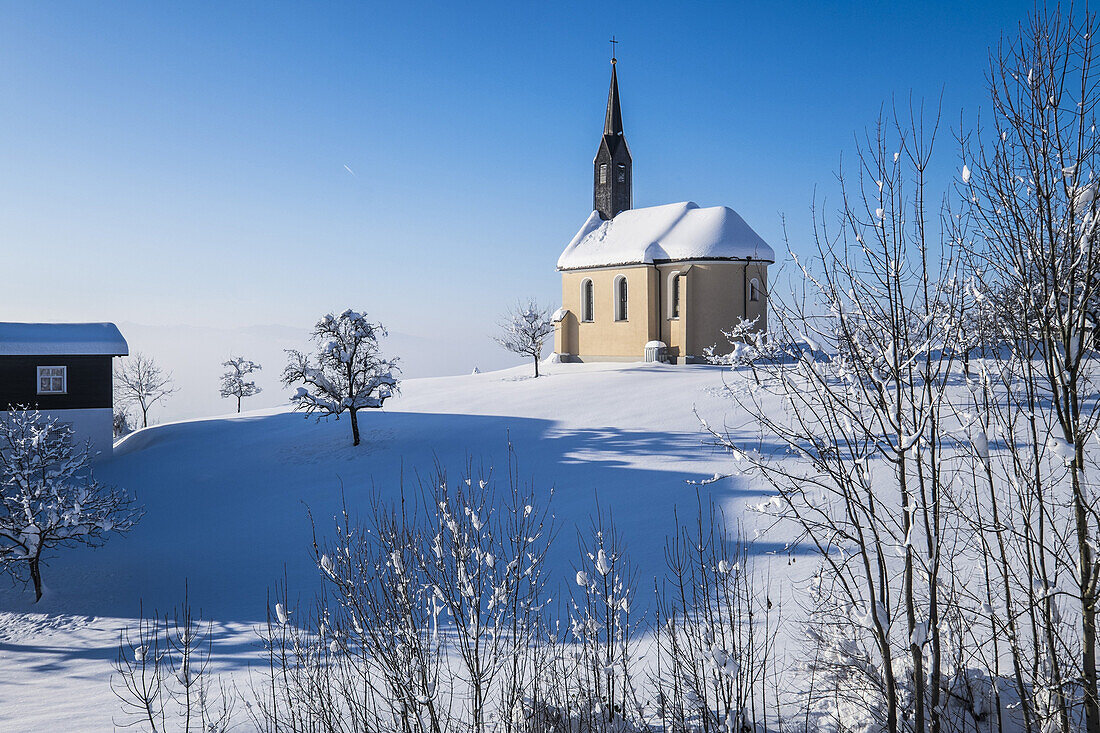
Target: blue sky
x=184, y=163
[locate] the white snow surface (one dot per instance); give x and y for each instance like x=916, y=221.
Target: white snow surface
x=226, y=503
x=671, y=232
x=61, y=339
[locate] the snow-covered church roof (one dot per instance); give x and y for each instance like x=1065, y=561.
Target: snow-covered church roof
x=671, y=232
x=61, y=339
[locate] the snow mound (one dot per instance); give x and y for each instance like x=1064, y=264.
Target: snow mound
x=672, y=232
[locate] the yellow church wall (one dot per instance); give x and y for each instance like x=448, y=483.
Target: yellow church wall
x=759, y=309
x=604, y=336
x=712, y=298
x=717, y=297
x=672, y=329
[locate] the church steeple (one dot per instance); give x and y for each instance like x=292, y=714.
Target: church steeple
x=613, y=120
x=612, y=168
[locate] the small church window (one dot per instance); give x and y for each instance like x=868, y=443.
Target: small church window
x=51, y=380
x=754, y=290
x=622, y=173
x=586, y=301
x=603, y=172
x=620, y=298
x=674, y=296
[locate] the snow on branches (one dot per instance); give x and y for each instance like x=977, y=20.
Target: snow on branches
x=48, y=497
x=524, y=330
x=234, y=381
x=748, y=342
x=348, y=372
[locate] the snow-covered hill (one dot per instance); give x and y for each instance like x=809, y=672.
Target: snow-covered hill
x=227, y=498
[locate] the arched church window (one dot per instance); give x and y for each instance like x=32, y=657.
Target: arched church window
x=620, y=298
x=622, y=173
x=586, y=301
x=674, y=295
x=754, y=290
x=603, y=172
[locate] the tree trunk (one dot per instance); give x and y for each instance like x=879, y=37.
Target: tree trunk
x=354, y=427
x=238, y=404
x=1088, y=598
x=36, y=577
x=536, y=367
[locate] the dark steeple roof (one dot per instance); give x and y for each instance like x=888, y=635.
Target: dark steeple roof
x=613, y=122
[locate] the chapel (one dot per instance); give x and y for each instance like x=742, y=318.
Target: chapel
x=656, y=283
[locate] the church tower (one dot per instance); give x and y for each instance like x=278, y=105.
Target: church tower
x=611, y=181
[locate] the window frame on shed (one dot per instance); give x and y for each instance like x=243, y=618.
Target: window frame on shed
x=58, y=372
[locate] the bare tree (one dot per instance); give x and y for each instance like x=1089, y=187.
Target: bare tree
x=48, y=497
x=121, y=422
x=429, y=621
x=235, y=382
x=1031, y=183
x=162, y=676
x=716, y=632
x=140, y=381
x=524, y=331
x=862, y=408
x=349, y=374
x=604, y=631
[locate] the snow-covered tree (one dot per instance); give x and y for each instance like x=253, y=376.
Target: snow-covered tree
x=48, y=497
x=122, y=424
x=348, y=373
x=140, y=381
x=235, y=382
x=524, y=331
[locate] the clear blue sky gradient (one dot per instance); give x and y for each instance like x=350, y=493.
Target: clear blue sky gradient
x=185, y=162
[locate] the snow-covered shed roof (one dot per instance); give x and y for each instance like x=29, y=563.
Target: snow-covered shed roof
x=61, y=339
x=671, y=232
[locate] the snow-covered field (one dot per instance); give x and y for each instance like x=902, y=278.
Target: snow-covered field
x=227, y=497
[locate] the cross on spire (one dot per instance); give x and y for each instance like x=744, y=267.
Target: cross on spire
x=613, y=43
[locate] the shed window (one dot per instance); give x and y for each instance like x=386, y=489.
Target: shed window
x=52, y=380
x=586, y=301
x=754, y=290
x=620, y=298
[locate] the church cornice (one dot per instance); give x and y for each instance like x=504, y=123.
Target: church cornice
x=663, y=263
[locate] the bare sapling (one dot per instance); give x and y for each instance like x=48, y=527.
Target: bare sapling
x=163, y=677
x=717, y=632
x=862, y=402
x=603, y=632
